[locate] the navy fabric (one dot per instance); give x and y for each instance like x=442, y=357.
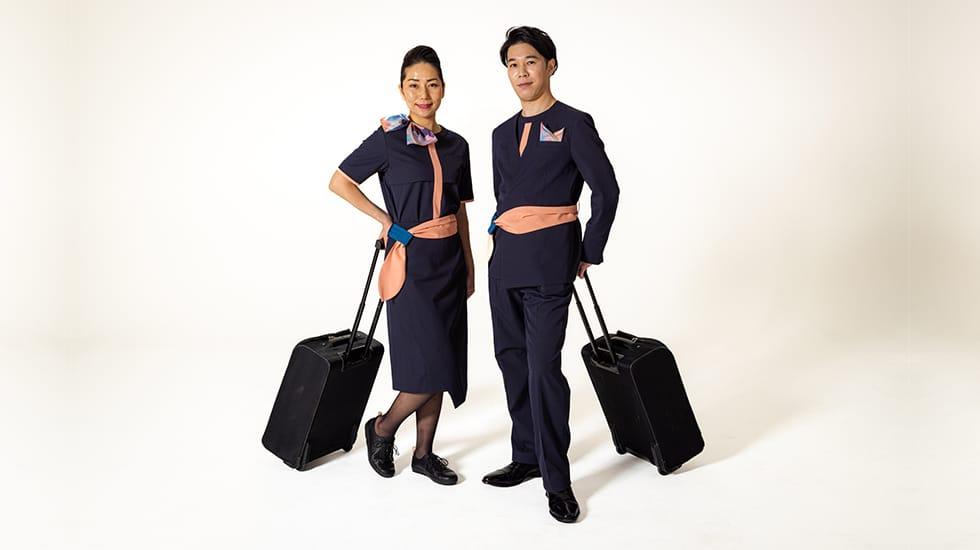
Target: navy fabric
x=406, y=175
x=528, y=334
x=427, y=318
x=551, y=173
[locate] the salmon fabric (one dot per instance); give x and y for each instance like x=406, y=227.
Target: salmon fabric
x=525, y=219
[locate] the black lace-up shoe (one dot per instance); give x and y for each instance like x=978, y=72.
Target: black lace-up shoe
x=512, y=474
x=563, y=506
x=379, y=450
x=435, y=468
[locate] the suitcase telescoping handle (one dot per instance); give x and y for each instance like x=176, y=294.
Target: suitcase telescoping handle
x=602, y=321
x=379, y=245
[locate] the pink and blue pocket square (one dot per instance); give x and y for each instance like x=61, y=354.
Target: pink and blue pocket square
x=548, y=135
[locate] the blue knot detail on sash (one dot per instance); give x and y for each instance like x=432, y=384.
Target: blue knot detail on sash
x=493, y=226
x=400, y=234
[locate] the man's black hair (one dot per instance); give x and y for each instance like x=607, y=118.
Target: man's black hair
x=532, y=36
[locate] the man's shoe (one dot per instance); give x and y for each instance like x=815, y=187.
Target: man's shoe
x=563, y=506
x=512, y=474
x=435, y=468
x=379, y=450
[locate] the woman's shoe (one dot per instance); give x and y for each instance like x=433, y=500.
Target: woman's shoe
x=379, y=450
x=435, y=468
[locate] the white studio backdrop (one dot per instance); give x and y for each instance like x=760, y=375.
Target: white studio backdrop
x=788, y=200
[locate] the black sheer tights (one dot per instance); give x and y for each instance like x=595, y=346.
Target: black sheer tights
x=426, y=407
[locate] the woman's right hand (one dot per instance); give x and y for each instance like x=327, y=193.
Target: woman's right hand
x=385, y=226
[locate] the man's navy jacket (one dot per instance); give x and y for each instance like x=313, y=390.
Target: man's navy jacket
x=563, y=151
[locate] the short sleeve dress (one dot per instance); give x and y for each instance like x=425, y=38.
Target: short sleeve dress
x=427, y=318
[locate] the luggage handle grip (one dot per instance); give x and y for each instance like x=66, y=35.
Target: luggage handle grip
x=588, y=327
x=379, y=245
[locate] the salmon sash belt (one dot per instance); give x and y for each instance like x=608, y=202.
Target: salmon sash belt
x=392, y=275
x=526, y=219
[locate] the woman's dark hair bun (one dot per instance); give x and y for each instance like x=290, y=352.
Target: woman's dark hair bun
x=421, y=54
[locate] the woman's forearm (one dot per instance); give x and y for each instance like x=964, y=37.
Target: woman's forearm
x=351, y=192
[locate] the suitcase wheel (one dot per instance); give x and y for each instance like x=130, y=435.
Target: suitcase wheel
x=620, y=450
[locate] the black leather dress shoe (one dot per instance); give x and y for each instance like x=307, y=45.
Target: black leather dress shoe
x=563, y=506
x=435, y=468
x=512, y=474
x=379, y=450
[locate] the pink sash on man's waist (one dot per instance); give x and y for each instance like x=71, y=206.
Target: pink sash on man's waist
x=525, y=219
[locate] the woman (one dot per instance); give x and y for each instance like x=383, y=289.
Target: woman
x=427, y=275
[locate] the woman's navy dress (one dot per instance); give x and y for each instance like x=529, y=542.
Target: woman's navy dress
x=427, y=318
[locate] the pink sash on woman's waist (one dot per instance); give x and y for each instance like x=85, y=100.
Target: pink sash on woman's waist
x=392, y=275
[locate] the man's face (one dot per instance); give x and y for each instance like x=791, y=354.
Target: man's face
x=529, y=74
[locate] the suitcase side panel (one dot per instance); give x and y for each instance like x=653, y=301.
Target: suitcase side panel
x=298, y=398
x=621, y=406
x=344, y=398
x=677, y=437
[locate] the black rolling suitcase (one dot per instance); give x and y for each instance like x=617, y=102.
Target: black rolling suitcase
x=325, y=389
x=641, y=394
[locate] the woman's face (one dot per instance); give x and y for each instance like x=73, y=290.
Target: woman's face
x=422, y=90
x=529, y=75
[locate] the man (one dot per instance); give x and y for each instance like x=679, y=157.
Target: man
x=541, y=157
